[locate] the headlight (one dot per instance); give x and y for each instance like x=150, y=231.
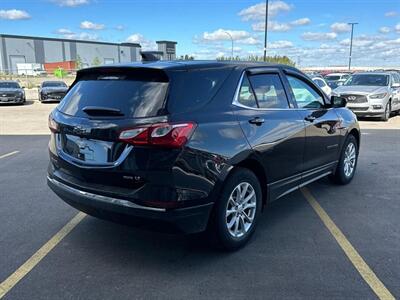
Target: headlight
x=378, y=96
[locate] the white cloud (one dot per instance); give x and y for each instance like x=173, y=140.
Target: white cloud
x=221, y=35
x=357, y=42
x=280, y=45
x=91, y=26
x=257, y=12
x=14, y=14
x=68, y=34
x=391, y=14
x=71, y=3
x=63, y=31
x=140, y=39
x=275, y=26
x=249, y=41
x=340, y=27
x=119, y=27
x=318, y=36
x=397, y=28
x=300, y=22
x=384, y=30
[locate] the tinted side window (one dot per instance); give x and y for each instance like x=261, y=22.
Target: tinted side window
x=304, y=94
x=246, y=96
x=269, y=91
x=191, y=89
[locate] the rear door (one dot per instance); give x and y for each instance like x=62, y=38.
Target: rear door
x=273, y=129
x=322, y=125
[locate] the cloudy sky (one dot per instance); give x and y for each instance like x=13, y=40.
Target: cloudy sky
x=311, y=32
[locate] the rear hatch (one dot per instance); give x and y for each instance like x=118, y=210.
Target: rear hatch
x=102, y=103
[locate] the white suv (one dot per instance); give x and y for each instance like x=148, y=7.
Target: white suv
x=372, y=94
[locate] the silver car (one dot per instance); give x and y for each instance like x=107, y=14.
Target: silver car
x=372, y=94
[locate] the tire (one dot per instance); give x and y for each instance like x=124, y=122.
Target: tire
x=230, y=222
x=388, y=112
x=343, y=175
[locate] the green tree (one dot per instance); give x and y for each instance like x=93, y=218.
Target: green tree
x=186, y=57
x=96, y=61
x=273, y=59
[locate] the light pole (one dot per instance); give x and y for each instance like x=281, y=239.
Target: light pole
x=231, y=41
x=266, y=30
x=351, y=42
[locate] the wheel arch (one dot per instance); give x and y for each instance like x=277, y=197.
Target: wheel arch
x=257, y=168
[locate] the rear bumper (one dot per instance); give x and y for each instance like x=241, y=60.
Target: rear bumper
x=187, y=220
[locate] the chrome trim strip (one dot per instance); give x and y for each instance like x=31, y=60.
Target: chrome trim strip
x=86, y=165
x=105, y=199
x=236, y=102
x=304, y=184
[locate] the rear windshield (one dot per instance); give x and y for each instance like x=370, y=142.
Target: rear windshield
x=9, y=85
x=368, y=79
x=132, y=97
x=145, y=95
x=53, y=84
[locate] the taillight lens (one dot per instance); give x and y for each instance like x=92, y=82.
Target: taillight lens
x=172, y=135
x=53, y=125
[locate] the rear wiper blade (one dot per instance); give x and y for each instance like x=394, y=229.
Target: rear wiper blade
x=102, y=111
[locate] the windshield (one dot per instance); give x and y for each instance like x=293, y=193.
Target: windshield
x=9, y=85
x=54, y=84
x=332, y=77
x=368, y=79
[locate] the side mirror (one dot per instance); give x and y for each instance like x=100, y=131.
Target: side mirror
x=338, y=101
x=396, y=85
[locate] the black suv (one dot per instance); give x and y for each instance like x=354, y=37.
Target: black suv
x=195, y=144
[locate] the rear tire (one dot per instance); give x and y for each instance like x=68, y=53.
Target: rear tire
x=347, y=163
x=237, y=210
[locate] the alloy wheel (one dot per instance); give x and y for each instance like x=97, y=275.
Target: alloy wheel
x=241, y=209
x=349, y=159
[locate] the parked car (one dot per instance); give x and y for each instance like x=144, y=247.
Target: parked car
x=372, y=94
x=336, y=79
x=11, y=92
x=52, y=91
x=194, y=144
x=323, y=85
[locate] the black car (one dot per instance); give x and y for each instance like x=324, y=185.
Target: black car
x=51, y=91
x=195, y=145
x=11, y=92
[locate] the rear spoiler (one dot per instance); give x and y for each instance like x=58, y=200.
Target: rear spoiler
x=141, y=73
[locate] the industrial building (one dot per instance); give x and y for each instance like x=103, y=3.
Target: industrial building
x=15, y=49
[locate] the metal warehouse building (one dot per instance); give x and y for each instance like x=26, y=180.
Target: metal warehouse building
x=15, y=49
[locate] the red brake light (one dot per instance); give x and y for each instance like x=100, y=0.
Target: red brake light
x=172, y=135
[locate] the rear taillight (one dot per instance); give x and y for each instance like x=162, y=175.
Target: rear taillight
x=171, y=135
x=53, y=125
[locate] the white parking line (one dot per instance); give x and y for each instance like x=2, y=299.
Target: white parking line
x=8, y=154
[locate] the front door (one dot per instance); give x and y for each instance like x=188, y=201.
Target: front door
x=322, y=126
x=274, y=130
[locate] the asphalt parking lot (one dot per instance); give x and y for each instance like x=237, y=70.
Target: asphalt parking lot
x=292, y=255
